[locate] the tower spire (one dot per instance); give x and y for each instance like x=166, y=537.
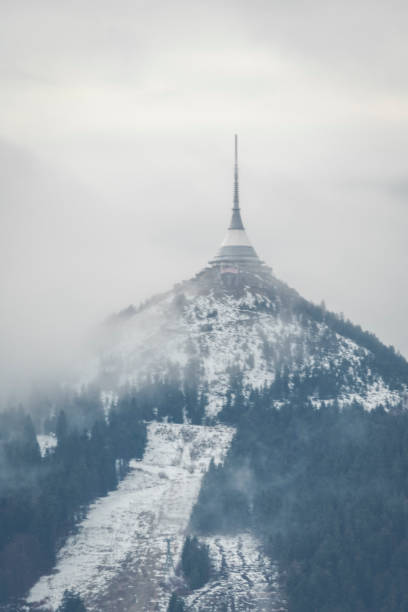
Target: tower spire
x=236, y=221
x=236, y=190
x=236, y=248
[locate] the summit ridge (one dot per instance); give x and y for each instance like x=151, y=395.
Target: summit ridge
x=198, y=363
x=236, y=326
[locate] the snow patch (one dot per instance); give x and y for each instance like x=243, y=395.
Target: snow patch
x=223, y=333
x=118, y=558
x=46, y=442
x=245, y=578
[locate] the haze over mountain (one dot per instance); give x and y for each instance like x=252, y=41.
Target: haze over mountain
x=235, y=323
x=153, y=481
x=134, y=112
x=188, y=424
x=195, y=383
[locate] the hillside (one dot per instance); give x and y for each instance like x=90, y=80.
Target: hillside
x=249, y=330
x=193, y=469
x=220, y=350
x=117, y=560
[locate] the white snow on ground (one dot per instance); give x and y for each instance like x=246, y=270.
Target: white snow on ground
x=376, y=394
x=245, y=579
x=223, y=332
x=46, y=443
x=117, y=560
x=108, y=399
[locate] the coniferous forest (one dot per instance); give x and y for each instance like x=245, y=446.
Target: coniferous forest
x=43, y=498
x=325, y=489
x=203, y=213
x=327, y=492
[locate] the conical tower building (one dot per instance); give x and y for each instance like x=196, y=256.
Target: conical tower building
x=236, y=249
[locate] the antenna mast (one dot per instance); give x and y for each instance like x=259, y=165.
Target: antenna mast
x=236, y=190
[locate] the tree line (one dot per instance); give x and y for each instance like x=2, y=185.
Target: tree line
x=327, y=493
x=43, y=498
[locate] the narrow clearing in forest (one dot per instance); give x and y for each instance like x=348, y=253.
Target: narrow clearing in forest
x=119, y=559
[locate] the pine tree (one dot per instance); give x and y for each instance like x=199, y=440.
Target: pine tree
x=195, y=562
x=71, y=602
x=61, y=427
x=176, y=604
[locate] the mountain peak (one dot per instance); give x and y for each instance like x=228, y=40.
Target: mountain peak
x=235, y=328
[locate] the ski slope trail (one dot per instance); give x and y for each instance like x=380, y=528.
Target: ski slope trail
x=123, y=556
x=245, y=578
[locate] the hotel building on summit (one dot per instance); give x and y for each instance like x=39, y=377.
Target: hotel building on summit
x=236, y=251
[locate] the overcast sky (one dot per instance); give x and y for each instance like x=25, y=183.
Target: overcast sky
x=117, y=123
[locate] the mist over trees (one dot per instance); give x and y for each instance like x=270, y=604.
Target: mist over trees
x=324, y=489
x=43, y=498
x=326, y=492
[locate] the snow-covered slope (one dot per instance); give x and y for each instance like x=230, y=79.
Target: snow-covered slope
x=222, y=331
x=118, y=559
x=234, y=333
x=46, y=442
x=245, y=578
